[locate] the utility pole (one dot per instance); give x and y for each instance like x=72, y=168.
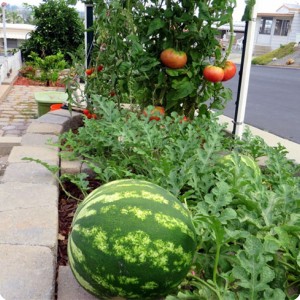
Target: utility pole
x=3, y=5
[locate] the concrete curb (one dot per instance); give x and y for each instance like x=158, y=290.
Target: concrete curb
x=28, y=211
x=271, y=139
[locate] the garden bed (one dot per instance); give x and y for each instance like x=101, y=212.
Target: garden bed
x=21, y=80
x=220, y=198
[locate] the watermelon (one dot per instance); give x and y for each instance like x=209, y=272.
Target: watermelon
x=244, y=160
x=132, y=239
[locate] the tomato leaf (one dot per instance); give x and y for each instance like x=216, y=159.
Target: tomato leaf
x=182, y=88
x=155, y=25
x=204, y=11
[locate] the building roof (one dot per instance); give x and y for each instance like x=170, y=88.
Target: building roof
x=291, y=15
x=18, y=26
x=16, y=31
x=285, y=10
x=290, y=6
x=237, y=26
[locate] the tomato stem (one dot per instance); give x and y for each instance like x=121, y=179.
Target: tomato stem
x=228, y=51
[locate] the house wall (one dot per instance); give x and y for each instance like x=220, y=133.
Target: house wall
x=274, y=41
x=295, y=29
x=15, y=35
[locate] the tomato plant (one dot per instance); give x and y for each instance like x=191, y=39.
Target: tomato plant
x=173, y=59
x=155, y=50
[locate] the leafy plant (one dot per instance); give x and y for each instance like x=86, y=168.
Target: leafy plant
x=247, y=225
x=58, y=29
x=129, y=38
x=28, y=71
x=49, y=66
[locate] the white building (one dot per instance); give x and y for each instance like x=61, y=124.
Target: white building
x=15, y=35
x=279, y=28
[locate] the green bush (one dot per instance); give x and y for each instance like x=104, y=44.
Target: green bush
x=48, y=67
x=58, y=29
x=281, y=52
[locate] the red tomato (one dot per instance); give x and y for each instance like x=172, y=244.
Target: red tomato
x=154, y=115
x=173, y=59
x=213, y=73
x=112, y=93
x=100, y=68
x=93, y=116
x=229, y=70
x=89, y=72
x=184, y=119
x=85, y=112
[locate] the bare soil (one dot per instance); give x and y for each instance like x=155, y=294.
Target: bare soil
x=66, y=210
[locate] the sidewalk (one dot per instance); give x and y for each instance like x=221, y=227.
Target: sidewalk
x=18, y=108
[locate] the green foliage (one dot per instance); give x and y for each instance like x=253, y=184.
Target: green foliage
x=129, y=37
x=248, y=10
x=281, y=52
x=48, y=67
x=248, y=225
x=58, y=29
x=28, y=71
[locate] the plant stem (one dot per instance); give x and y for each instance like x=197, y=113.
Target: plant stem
x=216, y=264
x=228, y=51
x=203, y=282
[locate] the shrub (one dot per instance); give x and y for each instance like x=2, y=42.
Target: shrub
x=281, y=52
x=58, y=29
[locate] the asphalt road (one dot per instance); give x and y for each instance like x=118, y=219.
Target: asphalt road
x=273, y=102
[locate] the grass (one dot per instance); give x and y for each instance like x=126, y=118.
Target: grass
x=283, y=51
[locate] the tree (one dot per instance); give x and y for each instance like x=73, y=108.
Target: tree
x=58, y=28
x=14, y=17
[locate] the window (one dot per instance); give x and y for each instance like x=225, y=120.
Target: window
x=12, y=43
x=265, y=25
x=282, y=27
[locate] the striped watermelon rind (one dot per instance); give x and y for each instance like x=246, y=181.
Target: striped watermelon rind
x=228, y=161
x=133, y=239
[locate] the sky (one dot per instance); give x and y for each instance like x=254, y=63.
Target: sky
x=261, y=5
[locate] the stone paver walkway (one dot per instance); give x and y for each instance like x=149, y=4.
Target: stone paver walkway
x=18, y=109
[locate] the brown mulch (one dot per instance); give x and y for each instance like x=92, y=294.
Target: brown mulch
x=27, y=81
x=66, y=210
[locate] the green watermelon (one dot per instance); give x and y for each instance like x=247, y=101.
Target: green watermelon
x=228, y=162
x=133, y=239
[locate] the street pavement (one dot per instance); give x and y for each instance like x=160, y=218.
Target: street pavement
x=272, y=100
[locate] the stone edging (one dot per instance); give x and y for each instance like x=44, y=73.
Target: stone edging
x=28, y=211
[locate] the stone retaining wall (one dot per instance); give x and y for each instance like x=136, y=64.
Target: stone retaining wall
x=28, y=211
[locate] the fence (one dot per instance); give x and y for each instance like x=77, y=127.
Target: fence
x=9, y=64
